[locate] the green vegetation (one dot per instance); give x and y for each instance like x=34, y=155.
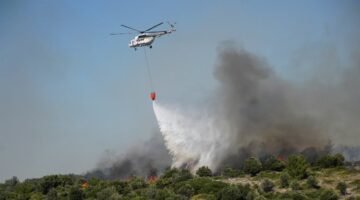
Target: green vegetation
x=342, y=187
x=204, y=171
x=329, y=161
x=312, y=182
x=267, y=185
x=231, y=173
x=297, y=166
x=284, y=180
x=293, y=178
x=252, y=166
x=273, y=164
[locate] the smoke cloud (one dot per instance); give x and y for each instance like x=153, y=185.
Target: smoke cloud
x=253, y=112
x=146, y=159
x=257, y=113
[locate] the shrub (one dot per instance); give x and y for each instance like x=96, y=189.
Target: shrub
x=342, y=187
x=106, y=193
x=252, y=166
x=205, y=185
x=233, y=192
x=295, y=185
x=53, y=181
x=186, y=190
x=137, y=183
x=75, y=194
x=267, y=185
x=292, y=196
x=203, y=196
x=328, y=195
x=273, y=164
x=204, y=171
x=182, y=175
x=297, y=166
x=230, y=172
x=329, y=161
x=312, y=182
x=163, y=194
x=284, y=180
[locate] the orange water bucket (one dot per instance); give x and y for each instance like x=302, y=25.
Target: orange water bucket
x=153, y=96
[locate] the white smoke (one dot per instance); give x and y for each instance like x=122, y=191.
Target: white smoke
x=193, y=139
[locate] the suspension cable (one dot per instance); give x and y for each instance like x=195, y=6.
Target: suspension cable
x=148, y=70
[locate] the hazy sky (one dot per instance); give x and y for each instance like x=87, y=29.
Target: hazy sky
x=69, y=91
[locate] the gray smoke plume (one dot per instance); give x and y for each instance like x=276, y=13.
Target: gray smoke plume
x=263, y=110
x=254, y=112
x=145, y=160
x=257, y=113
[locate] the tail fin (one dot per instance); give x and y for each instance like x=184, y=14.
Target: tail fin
x=172, y=25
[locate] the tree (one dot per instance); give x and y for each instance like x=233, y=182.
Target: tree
x=297, y=166
x=329, y=161
x=267, y=185
x=273, y=164
x=339, y=159
x=204, y=172
x=12, y=182
x=252, y=166
x=342, y=187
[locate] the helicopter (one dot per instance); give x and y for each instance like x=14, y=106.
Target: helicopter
x=146, y=37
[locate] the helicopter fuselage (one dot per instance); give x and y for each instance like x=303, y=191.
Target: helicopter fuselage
x=146, y=39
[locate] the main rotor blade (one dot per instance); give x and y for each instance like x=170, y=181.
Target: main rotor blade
x=154, y=26
x=120, y=33
x=131, y=28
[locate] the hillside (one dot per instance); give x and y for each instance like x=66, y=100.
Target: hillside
x=294, y=178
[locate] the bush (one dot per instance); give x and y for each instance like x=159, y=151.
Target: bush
x=75, y=194
x=295, y=185
x=312, y=182
x=292, y=196
x=297, y=166
x=229, y=172
x=273, y=164
x=163, y=194
x=284, y=180
x=342, y=187
x=106, y=193
x=204, y=185
x=203, y=196
x=267, y=185
x=329, y=161
x=186, y=190
x=53, y=181
x=137, y=183
x=328, y=195
x=204, y=171
x=252, y=166
x=233, y=192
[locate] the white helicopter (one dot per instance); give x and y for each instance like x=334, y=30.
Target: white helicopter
x=147, y=37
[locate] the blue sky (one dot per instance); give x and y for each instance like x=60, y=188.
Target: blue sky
x=69, y=91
